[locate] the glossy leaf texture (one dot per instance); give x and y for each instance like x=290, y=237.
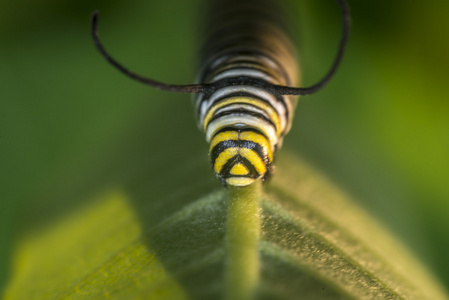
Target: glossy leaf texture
x=297, y=237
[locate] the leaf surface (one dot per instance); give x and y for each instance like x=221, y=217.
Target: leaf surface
x=299, y=236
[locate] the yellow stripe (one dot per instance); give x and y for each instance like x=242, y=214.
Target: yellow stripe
x=258, y=139
x=245, y=100
x=239, y=169
x=254, y=159
x=239, y=181
x=223, y=158
x=223, y=136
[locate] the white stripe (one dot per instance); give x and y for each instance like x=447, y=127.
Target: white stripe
x=244, y=121
x=243, y=72
x=243, y=106
x=197, y=98
x=230, y=58
x=280, y=109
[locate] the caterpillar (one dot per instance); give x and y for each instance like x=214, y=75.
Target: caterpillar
x=245, y=97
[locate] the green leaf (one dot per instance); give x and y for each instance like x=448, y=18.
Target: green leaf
x=297, y=237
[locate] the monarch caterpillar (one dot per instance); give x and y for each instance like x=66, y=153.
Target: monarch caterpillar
x=245, y=98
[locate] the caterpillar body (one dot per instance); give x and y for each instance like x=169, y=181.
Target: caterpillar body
x=246, y=50
x=244, y=101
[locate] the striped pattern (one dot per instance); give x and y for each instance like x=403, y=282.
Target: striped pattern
x=246, y=84
x=246, y=51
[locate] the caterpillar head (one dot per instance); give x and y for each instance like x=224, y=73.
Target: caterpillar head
x=239, y=157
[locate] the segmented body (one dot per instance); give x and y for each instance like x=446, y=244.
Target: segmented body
x=246, y=51
x=245, y=92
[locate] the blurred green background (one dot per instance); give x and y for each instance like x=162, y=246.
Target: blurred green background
x=70, y=125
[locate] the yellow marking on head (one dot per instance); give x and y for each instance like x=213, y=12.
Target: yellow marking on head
x=223, y=158
x=245, y=100
x=223, y=136
x=258, y=139
x=254, y=159
x=239, y=169
x=239, y=181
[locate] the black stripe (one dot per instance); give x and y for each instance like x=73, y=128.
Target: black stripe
x=241, y=111
x=227, y=166
x=239, y=130
x=224, y=69
x=243, y=103
x=239, y=60
x=253, y=45
x=247, y=35
x=240, y=80
x=251, y=168
x=255, y=147
x=234, y=94
x=245, y=80
x=222, y=146
x=276, y=46
x=244, y=51
x=241, y=10
x=225, y=171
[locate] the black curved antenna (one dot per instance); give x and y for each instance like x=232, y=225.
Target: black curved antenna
x=346, y=20
x=201, y=88
x=190, y=88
